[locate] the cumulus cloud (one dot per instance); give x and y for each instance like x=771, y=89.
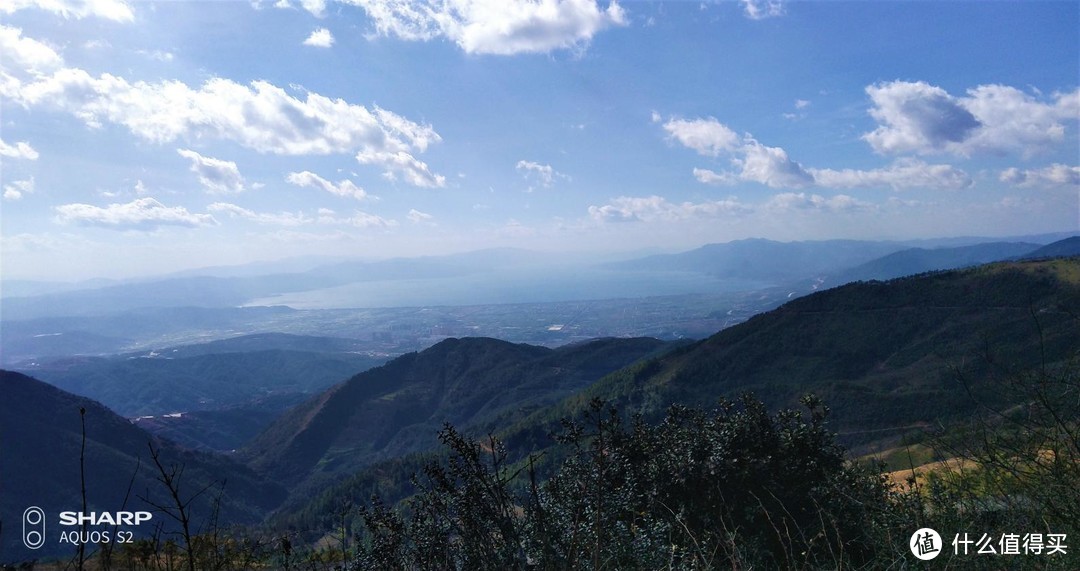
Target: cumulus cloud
x=902, y=174
x=359, y=219
x=281, y=219
x=116, y=10
x=501, y=27
x=317, y=8
x=761, y=9
x=20, y=150
x=144, y=214
x=417, y=217
x=344, y=187
x=707, y=136
x=320, y=38
x=16, y=189
x=261, y=116
x=916, y=117
x=658, y=208
x=1054, y=175
x=216, y=175
x=545, y=174
x=400, y=163
x=803, y=201
x=706, y=176
x=258, y=116
x=26, y=54
x=772, y=167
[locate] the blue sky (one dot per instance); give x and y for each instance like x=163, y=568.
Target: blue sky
x=145, y=137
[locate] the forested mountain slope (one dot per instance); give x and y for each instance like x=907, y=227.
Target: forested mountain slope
x=883, y=355
x=40, y=443
x=398, y=408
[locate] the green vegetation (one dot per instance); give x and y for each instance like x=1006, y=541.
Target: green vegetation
x=394, y=410
x=964, y=383
x=135, y=386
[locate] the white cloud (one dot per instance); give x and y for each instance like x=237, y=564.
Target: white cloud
x=365, y=220
x=359, y=219
x=1052, y=176
x=758, y=163
x=16, y=189
x=803, y=201
x=414, y=171
x=216, y=175
x=657, y=208
x=501, y=27
x=259, y=116
x=801, y=104
x=761, y=9
x=158, y=55
x=544, y=173
x=116, y=10
x=902, y=174
x=708, y=136
x=317, y=8
x=282, y=219
x=140, y=214
x=417, y=217
x=320, y=38
x=26, y=54
x=706, y=176
x=771, y=166
x=344, y=187
x=20, y=150
x=916, y=117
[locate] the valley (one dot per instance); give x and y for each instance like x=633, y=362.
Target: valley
x=313, y=409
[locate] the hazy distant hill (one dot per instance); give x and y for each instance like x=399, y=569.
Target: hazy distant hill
x=1067, y=247
x=161, y=384
x=118, y=332
x=919, y=260
x=220, y=292
x=264, y=342
x=398, y=408
x=767, y=259
x=40, y=439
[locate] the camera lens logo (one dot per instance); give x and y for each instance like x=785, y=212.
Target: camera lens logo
x=33, y=525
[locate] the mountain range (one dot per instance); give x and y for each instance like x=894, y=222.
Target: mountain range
x=892, y=359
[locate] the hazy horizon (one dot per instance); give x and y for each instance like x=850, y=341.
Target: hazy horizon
x=301, y=263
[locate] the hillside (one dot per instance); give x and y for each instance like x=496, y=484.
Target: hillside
x=919, y=260
x=40, y=437
x=886, y=357
x=767, y=259
x=397, y=408
x=1062, y=248
x=153, y=384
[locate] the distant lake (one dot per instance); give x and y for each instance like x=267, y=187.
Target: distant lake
x=516, y=285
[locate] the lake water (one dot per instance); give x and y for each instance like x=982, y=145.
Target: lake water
x=519, y=285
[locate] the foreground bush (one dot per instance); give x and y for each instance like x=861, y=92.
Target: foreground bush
x=730, y=487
